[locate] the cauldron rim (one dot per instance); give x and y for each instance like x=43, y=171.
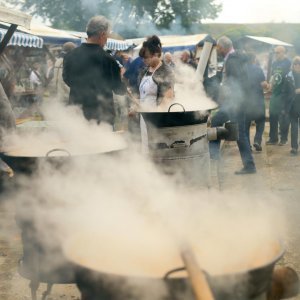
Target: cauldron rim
x=7, y=154
x=268, y=264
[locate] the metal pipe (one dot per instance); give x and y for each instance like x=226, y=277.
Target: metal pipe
x=7, y=37
x=204, y=57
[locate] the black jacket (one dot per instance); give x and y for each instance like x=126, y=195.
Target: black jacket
x=93, y=75
x=235, y=82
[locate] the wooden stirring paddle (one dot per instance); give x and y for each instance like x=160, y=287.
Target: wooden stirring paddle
x=199, y=283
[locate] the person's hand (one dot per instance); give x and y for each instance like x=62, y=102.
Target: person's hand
x=133, y=110
x=297, y=91
x=267, y=86
x=131, y=113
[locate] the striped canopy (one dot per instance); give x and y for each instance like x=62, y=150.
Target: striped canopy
x=118, y=45
x=22, y=39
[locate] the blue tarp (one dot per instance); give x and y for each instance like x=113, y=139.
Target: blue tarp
x=22, y=39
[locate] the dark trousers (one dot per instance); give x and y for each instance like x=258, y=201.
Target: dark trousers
x=243, y=142
x=259, y=128
x=283, y=120
x=218, y=119
x=294, y=130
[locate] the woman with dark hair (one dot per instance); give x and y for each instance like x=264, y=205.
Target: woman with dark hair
x=156, y=81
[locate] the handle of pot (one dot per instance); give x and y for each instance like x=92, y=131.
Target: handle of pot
x=198, y=280
x=57, y=150
x=197, y=139
x=5, y=169
x=169, y=110
x=169, y=273
x=178, y=144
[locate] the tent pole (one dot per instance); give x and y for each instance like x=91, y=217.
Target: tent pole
x=7, y=37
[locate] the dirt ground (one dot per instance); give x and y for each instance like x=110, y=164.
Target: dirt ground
x=278, y=172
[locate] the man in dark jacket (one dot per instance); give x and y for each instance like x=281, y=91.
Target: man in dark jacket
x=232, y=101
x=93, y=75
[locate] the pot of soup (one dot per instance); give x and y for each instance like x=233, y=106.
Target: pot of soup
x=112, y=269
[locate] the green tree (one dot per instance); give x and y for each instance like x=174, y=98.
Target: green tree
x=125, y=14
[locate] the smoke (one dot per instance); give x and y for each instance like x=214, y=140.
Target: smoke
x=119, y=214
x=189, y=91
x=125, y=22
x=65, y=128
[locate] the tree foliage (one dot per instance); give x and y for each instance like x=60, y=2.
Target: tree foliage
x=126, y=14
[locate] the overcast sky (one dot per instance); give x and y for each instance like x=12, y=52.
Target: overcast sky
x=259, y=11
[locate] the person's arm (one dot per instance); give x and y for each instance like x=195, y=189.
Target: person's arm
x=165, y=80
x=66, y=70
x=288, y=93
x=117, y=85
x=168, y=96
x=262, y=78
x=7, y=117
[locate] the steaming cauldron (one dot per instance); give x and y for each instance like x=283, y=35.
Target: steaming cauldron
x=26, y=161
x=96, y=280
x=178, y=142
x=43, y=259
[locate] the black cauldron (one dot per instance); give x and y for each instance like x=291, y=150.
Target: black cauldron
x=175, y=118
x=27, y=162
x=174, y=285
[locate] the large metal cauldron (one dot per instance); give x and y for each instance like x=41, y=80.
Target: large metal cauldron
x=26, y=160
x=43, y=259
x=177, y=142
x=95, y=284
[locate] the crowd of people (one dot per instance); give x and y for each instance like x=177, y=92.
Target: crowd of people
x=90, y=76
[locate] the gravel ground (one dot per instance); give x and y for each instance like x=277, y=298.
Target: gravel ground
x=278, y=173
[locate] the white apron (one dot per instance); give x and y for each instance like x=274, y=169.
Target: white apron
x=148, y=97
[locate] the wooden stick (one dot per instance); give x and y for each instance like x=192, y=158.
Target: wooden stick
x=132, y=98
x=199, y=283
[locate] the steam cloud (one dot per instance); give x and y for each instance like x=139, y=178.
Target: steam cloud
x=123, y=204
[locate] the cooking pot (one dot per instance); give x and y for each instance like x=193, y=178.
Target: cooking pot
x=178, y=144
x=175, y=118
x=96, y=280
x=26, y=159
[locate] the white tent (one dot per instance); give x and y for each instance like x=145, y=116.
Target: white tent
x=50, y=35
x=12, y=16
x=269, y=40
x=175, y=43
